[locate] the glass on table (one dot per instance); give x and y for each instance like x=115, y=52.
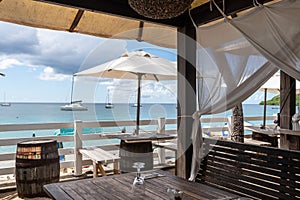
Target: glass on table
x=138, y=186
x=174, y=194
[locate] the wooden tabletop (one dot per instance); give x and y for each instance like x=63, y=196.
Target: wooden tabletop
x=146, y=137
x=270, y=131
x=119, y=187
x=289, y=132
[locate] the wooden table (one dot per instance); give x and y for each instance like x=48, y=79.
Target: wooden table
x=289, y=139
x=119, y=187
x=267, y=134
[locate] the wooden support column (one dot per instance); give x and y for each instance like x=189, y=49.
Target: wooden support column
x=186, y=89
x=287, y=107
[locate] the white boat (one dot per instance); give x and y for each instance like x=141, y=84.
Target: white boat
x=136, y=105
x=108, y=104
x=74, y=106
x=6, y=104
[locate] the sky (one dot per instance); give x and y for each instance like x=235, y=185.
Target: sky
x=39, y=63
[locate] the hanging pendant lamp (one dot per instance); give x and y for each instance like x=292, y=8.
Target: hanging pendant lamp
x=160, y=9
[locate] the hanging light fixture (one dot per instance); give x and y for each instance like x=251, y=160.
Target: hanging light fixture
x=160, y=9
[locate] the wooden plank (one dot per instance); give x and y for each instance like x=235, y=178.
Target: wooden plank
x=259, y=172
x=186, y=87
x=56, y=192
x=118, y=8
x=287, y=102
x=119, y=187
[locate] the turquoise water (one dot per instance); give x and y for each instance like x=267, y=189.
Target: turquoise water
x=27, y=113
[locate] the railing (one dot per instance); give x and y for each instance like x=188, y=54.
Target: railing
x=79, y=138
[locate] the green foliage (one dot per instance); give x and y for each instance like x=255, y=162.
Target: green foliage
x=276, y=100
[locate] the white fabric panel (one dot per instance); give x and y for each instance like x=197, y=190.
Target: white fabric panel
x=274, y=31
x=229, y=70
x=224, y=68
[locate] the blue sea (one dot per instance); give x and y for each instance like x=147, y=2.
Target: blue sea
x=28, y=113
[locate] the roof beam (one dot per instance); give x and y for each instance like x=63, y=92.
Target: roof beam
x=201, y=15
x=76, y=20
x=117, y=8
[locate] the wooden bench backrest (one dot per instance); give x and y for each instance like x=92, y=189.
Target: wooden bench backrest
x=250, y=170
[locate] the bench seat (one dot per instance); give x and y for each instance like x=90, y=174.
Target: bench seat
x=258, y=172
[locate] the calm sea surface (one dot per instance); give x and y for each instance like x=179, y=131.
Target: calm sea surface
x=27, y=113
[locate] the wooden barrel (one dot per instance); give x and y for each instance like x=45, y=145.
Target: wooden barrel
x=135, y=152
x=37, y=164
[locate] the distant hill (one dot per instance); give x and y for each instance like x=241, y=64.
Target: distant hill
x=276, y=100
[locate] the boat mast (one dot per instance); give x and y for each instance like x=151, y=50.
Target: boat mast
x=107, y=98
x=72, y=89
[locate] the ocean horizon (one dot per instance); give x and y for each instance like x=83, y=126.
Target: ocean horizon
x=32, y=113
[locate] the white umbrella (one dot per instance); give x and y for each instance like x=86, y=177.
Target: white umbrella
x=273, y=86
x=135, y=65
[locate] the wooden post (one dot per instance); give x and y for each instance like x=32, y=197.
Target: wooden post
x=161, y=130
x=77, y=146
x=287, y=107
x=237, y=123
x=186, y=92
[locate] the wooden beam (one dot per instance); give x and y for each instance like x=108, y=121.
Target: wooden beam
x=201, y=14
x=119, y=8
x=76, y=20
x=287, y=106
x=186, y=84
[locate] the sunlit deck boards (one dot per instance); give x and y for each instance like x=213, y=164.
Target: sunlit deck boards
x=119, y=187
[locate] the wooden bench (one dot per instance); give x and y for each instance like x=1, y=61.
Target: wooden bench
x=100, y=157
x=248, y=170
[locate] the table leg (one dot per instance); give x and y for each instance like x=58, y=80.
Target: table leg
x=116, y=167
x=100, y=167
x=95, y=169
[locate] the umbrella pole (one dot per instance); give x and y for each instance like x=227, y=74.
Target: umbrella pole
x=138, y=105
x=265, y=109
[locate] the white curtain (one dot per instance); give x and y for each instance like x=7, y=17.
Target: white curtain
x=237, y=56
x=229, y=70
x=274, y=31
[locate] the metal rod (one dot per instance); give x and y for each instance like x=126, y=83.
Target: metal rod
x=265, y=109
x=138, y=105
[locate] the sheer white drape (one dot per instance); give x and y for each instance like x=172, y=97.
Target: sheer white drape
x=237, y=56
x=229, y=70
x=274, y=31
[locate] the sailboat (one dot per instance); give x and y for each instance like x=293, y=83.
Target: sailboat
x=4, y=102
x=135, y=105
x=74, y=105
x=108, y=104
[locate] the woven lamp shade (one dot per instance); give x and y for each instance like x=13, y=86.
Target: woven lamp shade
x=160, y=9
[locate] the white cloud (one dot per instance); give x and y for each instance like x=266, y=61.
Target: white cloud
x=8, y=63
x=50, y=75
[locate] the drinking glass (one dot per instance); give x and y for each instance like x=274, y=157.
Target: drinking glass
x=138, y=186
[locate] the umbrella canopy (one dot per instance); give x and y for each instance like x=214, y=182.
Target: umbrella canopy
x=135, y=65
x=130, y=64
x=273, y=86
